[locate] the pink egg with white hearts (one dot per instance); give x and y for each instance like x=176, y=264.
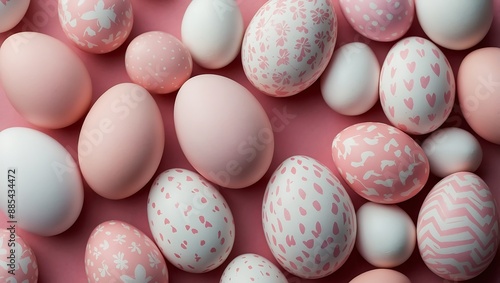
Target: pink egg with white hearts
x=119, y=252
x=379, y=162
x=288, y=44
x=96, y=26
x=190, y=221
x=417, y=86
x=17, y=259
x=380, y=20
x=457, y=227
x=158, y=61
x=252, y=268
x=308, y=218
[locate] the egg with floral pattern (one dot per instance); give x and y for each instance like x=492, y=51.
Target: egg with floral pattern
x=288, y=44
x=96, y=26
x=119, y=252
x=17, y=259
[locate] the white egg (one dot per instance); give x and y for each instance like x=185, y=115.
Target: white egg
x=386, y=234
x=190, y=221
x=349, y=84
x=252, y=268
x=11, y=13
x=212, y=30
x=455, y=24
x=42, y=179
x=452, y=150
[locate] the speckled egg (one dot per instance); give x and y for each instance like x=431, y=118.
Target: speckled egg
x=380, y=162
x=417, y=86
x=457, y=227
x=308, y=218
x=252, y=268
x=96, y=26
x=158, y=61
x=17, y=259
x=190, y=221
x=380, y=20
x=119, y=252
x=288, y=44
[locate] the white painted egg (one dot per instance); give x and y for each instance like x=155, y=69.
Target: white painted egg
x=252, y=268
x=190, y=221
x=288, y=45
x=417, y=86
x=212, y=30
x=349, y=84
x=11, y=13
x=308, y=218
x=119, y=252
x=380, y=162
x=457, y=227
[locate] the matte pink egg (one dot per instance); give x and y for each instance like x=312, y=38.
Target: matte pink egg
x=223, y=131
x=44, y=80
x=96, y=26
x=380, y=162
x=121, y=141
x=478, y=84
x=457, y=227
x=381, y=276
x=119, y=252
x=158, y=61
x=17, y=259
x=379, y=20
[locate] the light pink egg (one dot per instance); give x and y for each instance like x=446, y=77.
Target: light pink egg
x=158, y=61
x=381, y=276
x=308, y=218
x=417, y=86
x=288, y=45
x=96, y=26
x=380, y=162
x=190, y=221
x=11, y=13
x=119, y=252
x=457, y=227
x=379, y=20
x=44, y=80
x=252, y=268
x=17, y=259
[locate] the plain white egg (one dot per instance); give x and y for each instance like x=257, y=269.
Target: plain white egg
x=451, y=150
x=349, y=84
x=386, y=234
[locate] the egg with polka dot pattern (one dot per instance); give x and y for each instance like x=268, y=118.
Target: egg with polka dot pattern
x=252, y=268
x=308, y=218
x=380, y=20
x=190, y=221
x=158, y=61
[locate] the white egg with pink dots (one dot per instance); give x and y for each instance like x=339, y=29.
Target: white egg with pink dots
x=158, y=61
x=190, y=221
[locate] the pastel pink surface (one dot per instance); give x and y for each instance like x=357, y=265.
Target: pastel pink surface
x=303, y=124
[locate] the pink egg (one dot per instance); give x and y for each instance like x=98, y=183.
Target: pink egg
x=44, y=80
x=288, y=45
x=457, y=227
x=119, y=252
x=190, y=221
x=417, y=86
x=381, y=276
x=158, y=61
x=17, y=260
x=479, y=93
x=380, y=162
x=308, y=218
x=11, y=13
x=96, y=26
x=379, y=20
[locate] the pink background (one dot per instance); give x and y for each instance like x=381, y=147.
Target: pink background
x=309, y=132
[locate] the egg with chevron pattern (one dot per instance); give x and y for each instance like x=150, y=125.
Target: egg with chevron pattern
x=457, y=227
